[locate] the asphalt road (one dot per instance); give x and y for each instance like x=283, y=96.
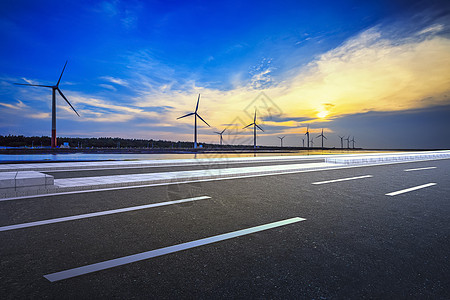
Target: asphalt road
x=356, y=242
x=203, y=166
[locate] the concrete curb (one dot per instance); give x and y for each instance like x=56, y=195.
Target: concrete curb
x=387, y=158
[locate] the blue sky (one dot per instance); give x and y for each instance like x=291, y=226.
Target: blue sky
x=351, y=67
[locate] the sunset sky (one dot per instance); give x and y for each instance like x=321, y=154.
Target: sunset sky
x=375, y=70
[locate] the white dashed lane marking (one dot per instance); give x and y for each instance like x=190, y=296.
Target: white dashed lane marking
x=163, y=251
x=342, y=179
x=420, y=169
x=100, y=213
x=411, y=189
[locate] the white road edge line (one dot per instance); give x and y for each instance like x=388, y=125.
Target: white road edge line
x=206, y=180
x=411, y=189
x=342, y=179
x=419, y=169
x=100, y=213
x=107, y=264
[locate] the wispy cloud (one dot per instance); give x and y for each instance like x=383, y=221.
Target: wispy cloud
x=108, y=86
x=126, y=12
x=261, y=74
x=115, y=80
x=18, y=106
x=101, y=110
x=29, y=81
x=436, y=28
x=41, y=115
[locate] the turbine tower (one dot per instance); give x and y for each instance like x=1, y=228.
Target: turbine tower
x=254, y=129
x=54, y=89
x=281, y=140
x=307, y=136
x=321, y=135
x=342, y=141
x=303, y=140
x=348, y=142
x=195, y=121
x=353, y=141
x=220, y=133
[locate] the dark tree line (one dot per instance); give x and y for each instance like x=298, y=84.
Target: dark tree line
x=102, y=142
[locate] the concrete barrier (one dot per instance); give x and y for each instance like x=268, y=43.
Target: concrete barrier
x=23, y=179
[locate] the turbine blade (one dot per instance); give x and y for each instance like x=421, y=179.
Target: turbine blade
x=259, y=127
x=62, y=95
x=198, y=100
x=61, y=74
x=33, y=85
x=254, y=119
x=203, y=120
x=190, y=114
x=223, y=131
x=325, y=137
x=217, y=132
x=248, y=125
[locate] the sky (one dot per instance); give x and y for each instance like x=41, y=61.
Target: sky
x=378, y=71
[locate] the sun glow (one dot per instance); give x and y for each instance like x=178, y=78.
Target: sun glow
x=322, y=114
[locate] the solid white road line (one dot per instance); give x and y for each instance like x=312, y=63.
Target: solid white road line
x=342, y=179
x=419, y=169
x=163, y=251
x=411, y=189
x=100, y=213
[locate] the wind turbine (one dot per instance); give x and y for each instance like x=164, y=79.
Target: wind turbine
x=307, y=135
x=281, y=139
x=321, y=135
x=342, y=142
x=312, y=143
x=303, y=140
x=195, y=121
x=353, y=140
x=254, y=129
x=348, y=142
x=220, y=133
x=54, y=89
